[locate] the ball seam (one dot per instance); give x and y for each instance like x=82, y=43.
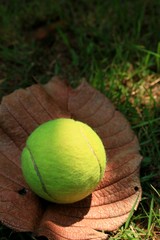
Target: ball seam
x=38, y=172
x=92, y=149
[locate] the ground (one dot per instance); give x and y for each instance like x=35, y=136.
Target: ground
x=115, y=46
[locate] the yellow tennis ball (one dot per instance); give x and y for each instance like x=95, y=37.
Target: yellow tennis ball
x=63, y=160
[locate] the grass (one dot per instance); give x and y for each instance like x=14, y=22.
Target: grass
x=114, y=45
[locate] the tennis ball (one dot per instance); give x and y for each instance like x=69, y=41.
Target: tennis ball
x=63, y=160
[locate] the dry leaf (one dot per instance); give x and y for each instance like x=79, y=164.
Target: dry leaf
x=109, y=205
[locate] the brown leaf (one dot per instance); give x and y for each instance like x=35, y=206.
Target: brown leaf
x=109, y=205
x=44, y=31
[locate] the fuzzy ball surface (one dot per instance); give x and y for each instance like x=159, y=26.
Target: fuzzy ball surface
x=63, y=160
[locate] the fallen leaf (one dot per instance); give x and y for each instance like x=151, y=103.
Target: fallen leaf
x=45, y=30
x=109, y=205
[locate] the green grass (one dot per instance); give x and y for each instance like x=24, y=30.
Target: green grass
x=115, y=46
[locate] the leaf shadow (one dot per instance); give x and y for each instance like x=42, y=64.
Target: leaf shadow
x=67, y=214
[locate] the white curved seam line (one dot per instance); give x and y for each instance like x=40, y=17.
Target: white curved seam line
x=92, y=150
x=38, y=172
